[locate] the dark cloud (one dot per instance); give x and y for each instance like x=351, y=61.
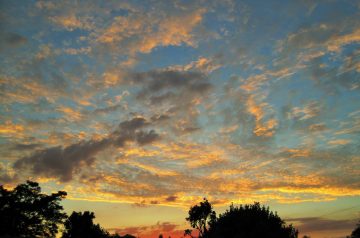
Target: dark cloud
x=20, y=146
x=5, y=177
x=317, y=127
x=63, y=162
x=177, y=91
x=133, y=124
x=131, y=130
x=333, y=79
x=190, y=129
x=171, y=198
x=107, y=110
x=140, y=204
x=158, y=118
x=158, y=99
x=10, y=39
x=312, y=224
x=144, y=138
x=158, y=80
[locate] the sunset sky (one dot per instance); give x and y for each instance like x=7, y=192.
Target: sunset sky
x=139, y=109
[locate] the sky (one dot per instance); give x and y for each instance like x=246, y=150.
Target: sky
x=139, y=109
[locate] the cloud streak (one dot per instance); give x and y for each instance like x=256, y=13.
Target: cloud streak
x=64, y=162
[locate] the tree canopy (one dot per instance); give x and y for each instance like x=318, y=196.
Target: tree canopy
x=80, y=225
x=356, y=232
x=26, y=212
x=249, y=221
x=200, y=217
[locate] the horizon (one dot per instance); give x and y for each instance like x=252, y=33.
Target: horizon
x=140, y=109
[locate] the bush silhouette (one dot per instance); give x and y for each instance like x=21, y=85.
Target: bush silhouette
x=80, y=225
x=26, y=212
x=356, y=232
x=249, y=221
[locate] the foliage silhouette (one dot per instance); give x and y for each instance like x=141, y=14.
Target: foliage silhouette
x=201, y=217
x=249, y=221
x=26, y=212
x=125, y=236
x=80, y=225
x=356, y=232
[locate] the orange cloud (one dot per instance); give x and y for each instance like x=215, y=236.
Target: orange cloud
x=336, y=42
x=206, y=65
x=146, y=33
x=298, y=152
x=9, y=129
x=310, y=110
x=339, y=142
x=70, y=113
x=72, y=22
x=167, y=229
x=258, y=111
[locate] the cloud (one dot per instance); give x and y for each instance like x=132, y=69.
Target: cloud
x=313, y=224
x=202, y=64
x=159, y=80
x=194, y=137
x=350, y=126
x=11, y=39
x=70, y=114
x=64, y=162
x=144, y=138
x=139, y=32
x=72, y=22
x=77, y=51
x=310, y=110
x=20, y=146
x=337, y=42
x=190, y=171
x=262, y=128
x=6, y=176
x=171, y=198
x=330, y=37
x=318, y=127
x=13, y=130
x=165, y=228
x=177, y=93
x=339, y=142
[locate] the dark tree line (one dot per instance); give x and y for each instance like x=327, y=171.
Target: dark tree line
x=26, y=212
x=244, y=221
x=249, y=221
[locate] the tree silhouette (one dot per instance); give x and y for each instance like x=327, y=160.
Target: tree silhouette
x=250, y=221
x=356, y=232
x=200, y=217
x=125, y=236
x=80, y=225
x=26, y=212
